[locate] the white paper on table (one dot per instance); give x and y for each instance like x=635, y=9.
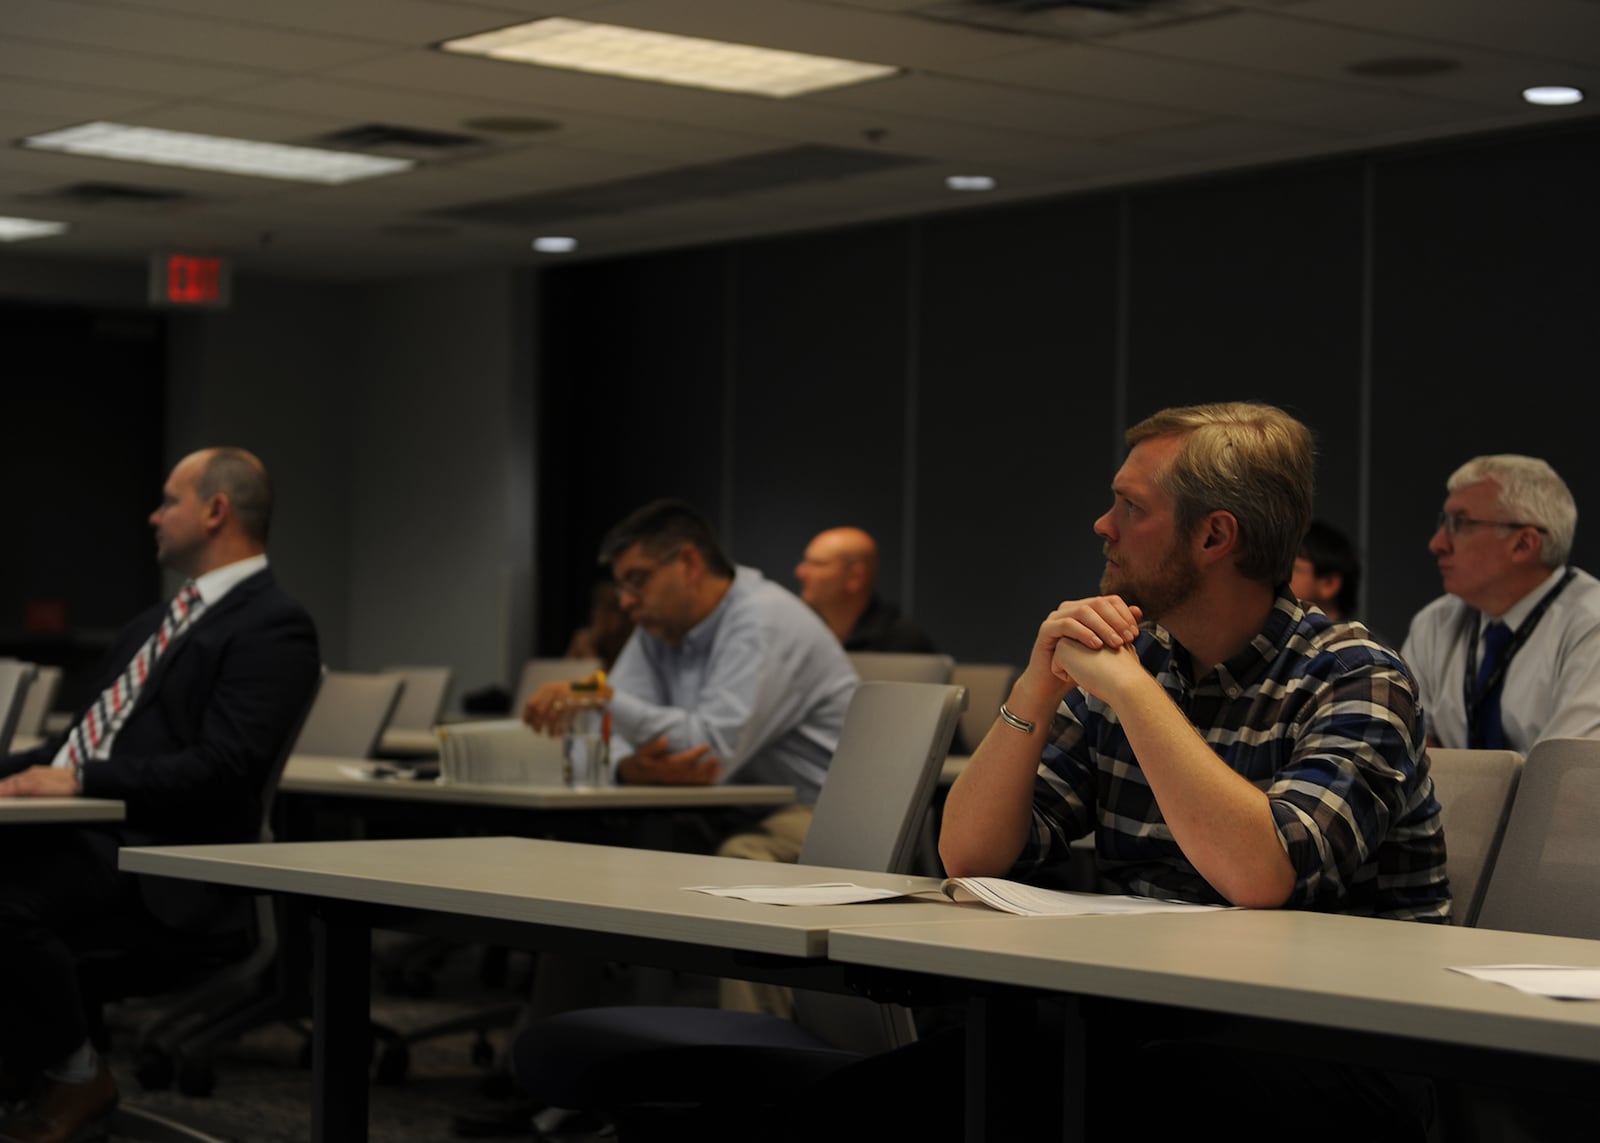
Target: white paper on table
x=1030, y=901
x=820, y=893
x=1557, y=981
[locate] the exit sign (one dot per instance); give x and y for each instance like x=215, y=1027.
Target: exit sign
x=189, y=280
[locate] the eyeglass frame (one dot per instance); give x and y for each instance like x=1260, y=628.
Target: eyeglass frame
x=635, y=581
x=1454, y=523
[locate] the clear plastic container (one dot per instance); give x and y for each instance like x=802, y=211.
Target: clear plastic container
x=586, y=748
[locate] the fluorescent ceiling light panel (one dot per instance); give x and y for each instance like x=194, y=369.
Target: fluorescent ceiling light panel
x=609, y=49
x=216, y=153
x=22, y=229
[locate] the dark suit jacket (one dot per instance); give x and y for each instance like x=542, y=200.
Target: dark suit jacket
x=194, y=757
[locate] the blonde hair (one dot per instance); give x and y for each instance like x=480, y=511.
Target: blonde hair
x=1530, y=492
x=1250, y=460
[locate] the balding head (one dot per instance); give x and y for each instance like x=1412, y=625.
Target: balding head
x=839, y=570
x=215, y=510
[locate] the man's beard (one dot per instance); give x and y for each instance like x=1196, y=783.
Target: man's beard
x=1168, y=587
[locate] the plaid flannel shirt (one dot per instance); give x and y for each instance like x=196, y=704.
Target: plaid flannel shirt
x=1315, y=713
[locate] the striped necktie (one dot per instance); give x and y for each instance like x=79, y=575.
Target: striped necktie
x=91, y=736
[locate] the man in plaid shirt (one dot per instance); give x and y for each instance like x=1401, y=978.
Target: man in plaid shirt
x=1222, y=744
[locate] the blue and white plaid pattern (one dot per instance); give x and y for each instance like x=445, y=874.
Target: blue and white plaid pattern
x=1317, y=714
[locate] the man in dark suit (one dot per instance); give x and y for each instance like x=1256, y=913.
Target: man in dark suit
x=195, y=706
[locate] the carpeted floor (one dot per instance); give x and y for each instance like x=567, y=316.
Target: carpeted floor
x=263, y=1093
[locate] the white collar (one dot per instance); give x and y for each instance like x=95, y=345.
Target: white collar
x=1519, y=610
x=218, y=582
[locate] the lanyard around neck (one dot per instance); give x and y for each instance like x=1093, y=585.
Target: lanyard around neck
x=1474, y=695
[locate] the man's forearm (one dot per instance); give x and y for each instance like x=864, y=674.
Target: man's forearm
x=989, y=812
x=1223, y=823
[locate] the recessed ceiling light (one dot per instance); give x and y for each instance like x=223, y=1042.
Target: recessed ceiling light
x=22, y=229
x=216, y=153
x=661, y=57
x=970, y=183
x=1555, y=95
x=555, y=244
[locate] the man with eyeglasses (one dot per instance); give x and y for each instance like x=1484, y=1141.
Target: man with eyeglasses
x=728, y=677
x=1511, y=654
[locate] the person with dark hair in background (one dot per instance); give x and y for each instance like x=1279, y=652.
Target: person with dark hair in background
x=607, y=630
x=1327, y=572
x=838, y=577
x=195, y=706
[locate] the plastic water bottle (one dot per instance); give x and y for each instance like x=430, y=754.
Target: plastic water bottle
x=586, y=749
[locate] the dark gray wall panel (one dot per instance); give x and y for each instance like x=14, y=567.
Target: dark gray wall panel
x=1485, y=337
x=630, y=410
x=1250, y=288
x=819, y=351
x=1017, y=360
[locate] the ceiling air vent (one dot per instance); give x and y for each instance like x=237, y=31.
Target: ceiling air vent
x=113, y=194
x=748, y=174
x=1071, y=19
x=403, y=142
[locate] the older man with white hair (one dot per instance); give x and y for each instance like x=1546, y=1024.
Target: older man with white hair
x=1511, y=654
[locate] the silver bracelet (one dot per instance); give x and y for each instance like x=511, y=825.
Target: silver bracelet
x=1014, y=722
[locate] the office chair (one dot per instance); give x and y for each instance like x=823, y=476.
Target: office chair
x=350, y=714
x=1544, y=877
x=15, y=679
x=40, y=698
x=213, y=980
x=895, y=667
x=1475, y=789
x=868, y=816
x=422, y=698
x=987, y=685
x=537, y=672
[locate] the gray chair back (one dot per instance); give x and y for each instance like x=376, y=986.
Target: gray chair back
x=893, y=667
x=987, y=685
x=1475, y=789
x=15, y=678
x=1546, y=877
x=422, y=701
x=869, y=816
x=537, y=672
x=349, y=715
x=40, y=698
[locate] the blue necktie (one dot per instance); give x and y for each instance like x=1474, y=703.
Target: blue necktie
x=1491, y=735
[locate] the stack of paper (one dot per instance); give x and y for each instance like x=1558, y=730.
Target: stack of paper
x=501, y=753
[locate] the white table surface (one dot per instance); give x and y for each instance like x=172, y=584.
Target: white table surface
x=61, y=810
x=1351, y=973
x=595, y=888
x=317, y=774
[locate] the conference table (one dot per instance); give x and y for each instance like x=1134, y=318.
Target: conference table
x=325, y=776
x=1324, y=985
x=608, y=901
x=30, y=810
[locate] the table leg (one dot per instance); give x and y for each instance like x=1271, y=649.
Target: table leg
x=1000, y=1037
x=341, y=1043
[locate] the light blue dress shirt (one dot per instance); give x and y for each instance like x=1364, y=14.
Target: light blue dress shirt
x=761, y=679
